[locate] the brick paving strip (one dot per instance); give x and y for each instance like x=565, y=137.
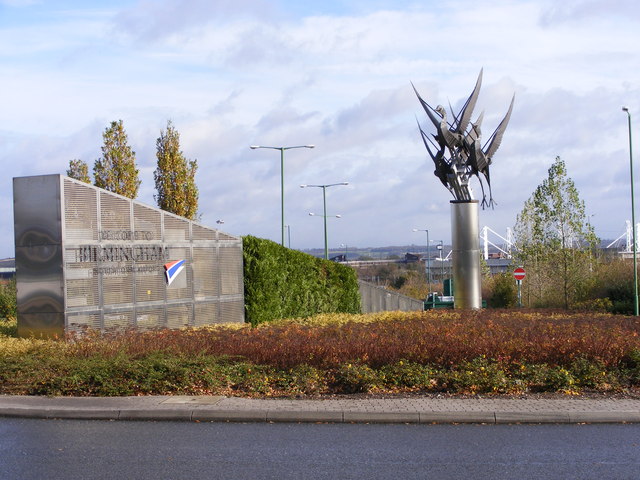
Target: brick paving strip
x=335, y=410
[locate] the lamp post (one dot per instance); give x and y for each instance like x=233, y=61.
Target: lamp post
x=440, y=247
x=288, y=227
x=282, y=149
x=633, y=221
x=346, y=252
x=324, y=203
x=428, y=259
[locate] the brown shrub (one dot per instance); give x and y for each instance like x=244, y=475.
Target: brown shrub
x=438, y=338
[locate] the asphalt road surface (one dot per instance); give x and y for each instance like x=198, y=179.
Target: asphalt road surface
x=81, y=449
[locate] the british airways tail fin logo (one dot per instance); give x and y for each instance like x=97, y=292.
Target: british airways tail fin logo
x=173, y=269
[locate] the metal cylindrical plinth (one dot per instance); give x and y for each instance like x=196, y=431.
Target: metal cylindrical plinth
x=465, y=254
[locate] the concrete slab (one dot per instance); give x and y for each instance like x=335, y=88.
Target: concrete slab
x=193, y=400
x=228, y=416
x=381, y=417
x=155, y=414
x=457, y=417
x=604, y=417
x=304, y=416
x=532, y=417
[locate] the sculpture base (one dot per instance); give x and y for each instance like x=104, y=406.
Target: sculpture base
x=465, y=254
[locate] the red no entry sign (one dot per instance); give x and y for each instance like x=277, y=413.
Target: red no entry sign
x=519, y=273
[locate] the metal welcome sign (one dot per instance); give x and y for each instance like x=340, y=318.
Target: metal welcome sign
x=86, y=257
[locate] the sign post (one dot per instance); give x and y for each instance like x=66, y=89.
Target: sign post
x=519, y=275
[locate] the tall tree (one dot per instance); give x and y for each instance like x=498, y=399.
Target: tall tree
x=116, y=170
x=555, y=240
x=175, y=176
x=79, y=170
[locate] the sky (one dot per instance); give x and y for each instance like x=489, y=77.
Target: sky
x=334, y=74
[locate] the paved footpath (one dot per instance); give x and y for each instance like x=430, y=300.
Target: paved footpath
x=335, y=410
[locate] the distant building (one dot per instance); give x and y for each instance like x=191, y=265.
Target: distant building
x=7, y=268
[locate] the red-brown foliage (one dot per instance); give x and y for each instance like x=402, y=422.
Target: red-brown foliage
x=424, y=337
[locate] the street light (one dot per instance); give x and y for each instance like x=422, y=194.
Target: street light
x=428, y=259
x=440, y=247
x=282, y=149
x=326, y=248
x=324, y=202
x=633, y=221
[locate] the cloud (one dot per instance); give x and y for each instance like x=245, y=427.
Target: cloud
x=334, y=75
x=150, y=21
x=577, y=10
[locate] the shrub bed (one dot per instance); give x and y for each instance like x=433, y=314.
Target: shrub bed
x=488, y=352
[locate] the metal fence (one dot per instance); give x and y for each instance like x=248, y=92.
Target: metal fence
x=379, y=299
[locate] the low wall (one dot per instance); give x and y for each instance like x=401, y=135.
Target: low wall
x=379, y=299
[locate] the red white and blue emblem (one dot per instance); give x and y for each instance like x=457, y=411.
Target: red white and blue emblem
x=173, y=269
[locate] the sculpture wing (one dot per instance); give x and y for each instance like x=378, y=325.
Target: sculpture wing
x=427, y=108
x=438, y=158
x=459, y=126
x=425, y=137
x=496, y=137
x=473, y=134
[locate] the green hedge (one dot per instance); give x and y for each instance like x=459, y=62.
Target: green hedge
x=283, y=283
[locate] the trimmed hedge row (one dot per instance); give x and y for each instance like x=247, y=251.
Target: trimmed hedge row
x=284, y=283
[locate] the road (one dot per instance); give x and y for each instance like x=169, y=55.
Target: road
x=83, y=449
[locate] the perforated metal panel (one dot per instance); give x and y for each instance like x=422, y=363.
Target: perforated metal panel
x=150, y=285
x=205, y=314
x=81, y=322
x=179, y=315
x=115, y=215
x=231, y=310
x=224, y=236
x=81, y=213
x=230, y=270
x=202, y=233
x=149, y=318
x=118, y=320
x=176, y=230
x=205, y=273
x=109, y=263
x=82, y=285
x=147, y=223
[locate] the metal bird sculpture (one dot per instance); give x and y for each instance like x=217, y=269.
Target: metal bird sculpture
x=462, y=140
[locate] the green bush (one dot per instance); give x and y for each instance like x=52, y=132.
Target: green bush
x=283, y=283
x=355, y=378
x=503, y=293
x=480, y=375
x=8, y=300
x=407, y=374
